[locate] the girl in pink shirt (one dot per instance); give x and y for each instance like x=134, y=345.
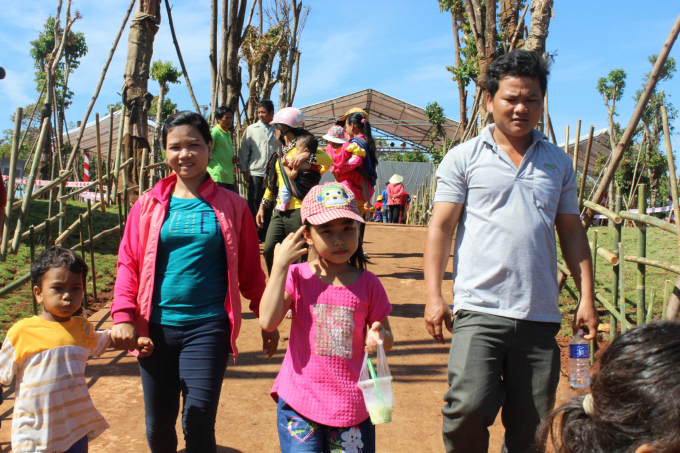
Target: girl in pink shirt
x=339, y=311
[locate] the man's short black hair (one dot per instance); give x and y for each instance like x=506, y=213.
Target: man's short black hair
x=267, y=104
x=518, y=63
x=222, y=110
x=308, y=141
x=187, y=118
x=57, y=257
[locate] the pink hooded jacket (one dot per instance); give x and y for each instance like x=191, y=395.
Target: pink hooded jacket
x=137, y=255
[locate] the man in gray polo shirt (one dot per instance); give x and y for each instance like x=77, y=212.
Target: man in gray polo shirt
x=506, y=191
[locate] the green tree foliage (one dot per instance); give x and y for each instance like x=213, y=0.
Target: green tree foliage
x=169, y=108
x=435, y=115
x=41, y=50
x=611, y=87
x=31, y=137
x=165, y=73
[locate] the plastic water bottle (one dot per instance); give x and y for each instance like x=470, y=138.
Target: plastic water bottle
x=579, y=355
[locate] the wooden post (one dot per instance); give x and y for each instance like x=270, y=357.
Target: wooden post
x=642, y=252
x=99, y=165
x=121, y=226
x=622, y=288
x=62, y=204
x=566, y=140
x=616, y=270
x=91, y=236
x=53, y=176
x=82, y=252
x=145, y=157
x=673, y=307
x=108, y=156
x=650, y=308
x=119, y=146
x=48, y=232
x=10, y=181
x=576, y=143
x=32, y=247
x=584, y=173
x=29, y=185
x=666, y=295
x=593, y=251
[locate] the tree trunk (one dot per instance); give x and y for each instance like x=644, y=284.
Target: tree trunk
x=509, y=16
x=611, y=202
x=286, y=76
x=462, y=94
x=136, y=97
x=541, y=12
x=159, y=118
x=232, y=27
x=213, y=54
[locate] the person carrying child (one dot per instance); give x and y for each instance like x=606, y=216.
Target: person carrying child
x=53, y=411
x=190, y=247
x=356, y=162
x=289, y=124
x=634, y=399
x=339, y=311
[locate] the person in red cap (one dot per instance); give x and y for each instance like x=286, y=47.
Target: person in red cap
x=339, y=311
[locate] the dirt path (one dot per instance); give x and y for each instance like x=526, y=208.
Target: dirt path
x=246, y=420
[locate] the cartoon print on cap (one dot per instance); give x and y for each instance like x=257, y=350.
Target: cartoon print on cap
x=333, y=196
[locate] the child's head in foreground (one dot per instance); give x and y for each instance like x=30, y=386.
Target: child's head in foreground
x=333, y=224
x=58, y=277
x=634, y=406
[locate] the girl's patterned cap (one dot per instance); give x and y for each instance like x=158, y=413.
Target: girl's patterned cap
x=329, y=202
x=336, y=134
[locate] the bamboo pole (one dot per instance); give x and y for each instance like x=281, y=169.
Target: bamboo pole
x=650, y=308
x=593, y=252
x=30, y=121
x=584, y=173
x=654, y=263
x=62, y=237
x=93, y=184
x=617, y=218
x=38, y=193
x=563, y=269
x=630, y=129
x=666, y=295
x=99, y=164
x=48, y=232
x=82, y=252
x=577, y=142
x=674, y=303
x=566, y=140
x=649, y=220
x=622, y=288
x=41, y=226
x=616, y=270
x=91, y=236
x=53, y=176
x=119, y=146
x=31, y=235
x=18, y=117
x=145, y=157
x=29, y=185
x=71, y=158
x=121, y=226
x=642, y=252
x=614, y=313
x=181, y=60
x=611, y=257
x=108, y=156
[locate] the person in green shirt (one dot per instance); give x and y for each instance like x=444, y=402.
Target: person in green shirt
x=221, y=166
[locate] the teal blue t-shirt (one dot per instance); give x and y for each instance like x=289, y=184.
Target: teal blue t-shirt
x=190, y=283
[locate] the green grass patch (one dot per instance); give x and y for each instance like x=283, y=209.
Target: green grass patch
x=661, y=246
x=19, y=304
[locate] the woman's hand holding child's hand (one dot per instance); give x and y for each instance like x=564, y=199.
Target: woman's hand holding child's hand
x=144, y=346
x=376, y=334
x=288, y=251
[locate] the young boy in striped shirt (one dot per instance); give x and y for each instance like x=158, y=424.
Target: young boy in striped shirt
x=53, y=411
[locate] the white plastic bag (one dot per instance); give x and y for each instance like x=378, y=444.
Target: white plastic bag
x=378, y=394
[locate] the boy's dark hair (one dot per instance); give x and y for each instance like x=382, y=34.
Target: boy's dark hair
x=357, y=260
x=267, y=104
x=635, y=396
x=518, y=63
x=222, y=110
x=57, y=257
x=308, y=141
x=186, y=118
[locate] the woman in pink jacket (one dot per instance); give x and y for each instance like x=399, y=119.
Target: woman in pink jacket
x=395, y=195
x=189, y=248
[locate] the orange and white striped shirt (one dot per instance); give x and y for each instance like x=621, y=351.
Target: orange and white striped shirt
x=52, y=406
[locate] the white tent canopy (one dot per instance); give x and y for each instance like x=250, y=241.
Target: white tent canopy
x=89, y=140
x=395, y=120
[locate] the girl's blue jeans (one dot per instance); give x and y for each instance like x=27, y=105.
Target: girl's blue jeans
x=189, y=361
x=298, y=434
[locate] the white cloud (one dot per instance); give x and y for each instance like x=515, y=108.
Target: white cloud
x=15, y=88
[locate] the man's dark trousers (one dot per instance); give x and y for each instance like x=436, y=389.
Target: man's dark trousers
x=255, y=194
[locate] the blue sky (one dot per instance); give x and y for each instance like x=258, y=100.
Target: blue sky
x=399, y=47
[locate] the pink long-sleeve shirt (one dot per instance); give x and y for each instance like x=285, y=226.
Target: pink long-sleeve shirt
x=395, y=191
x=137, y=255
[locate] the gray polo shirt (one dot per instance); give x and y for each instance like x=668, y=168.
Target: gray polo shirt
x=505, y=259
